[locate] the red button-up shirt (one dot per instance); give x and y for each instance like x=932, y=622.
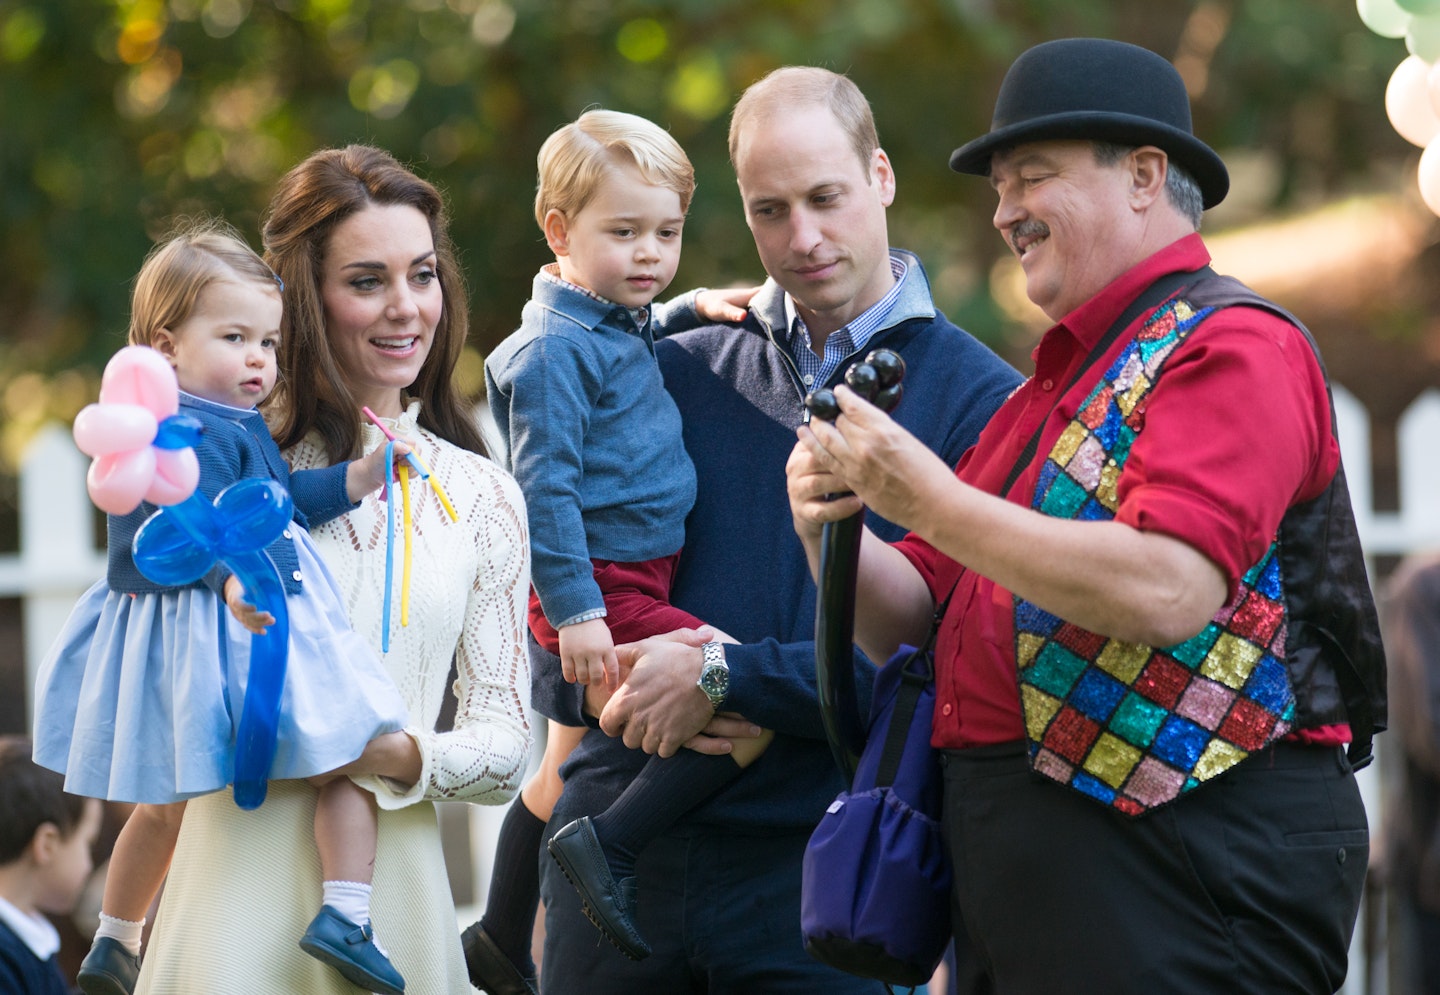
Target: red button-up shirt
x=1236, y=431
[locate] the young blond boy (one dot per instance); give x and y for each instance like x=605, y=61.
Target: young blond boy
x=595, y=442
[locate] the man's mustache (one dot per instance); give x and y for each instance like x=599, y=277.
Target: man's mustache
x=1027, y=230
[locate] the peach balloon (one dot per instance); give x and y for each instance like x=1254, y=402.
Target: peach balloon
x=1407, y=102
x=1429, y=177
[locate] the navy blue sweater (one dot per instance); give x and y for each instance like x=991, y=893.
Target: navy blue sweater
x=22, y=973
x=743, y=568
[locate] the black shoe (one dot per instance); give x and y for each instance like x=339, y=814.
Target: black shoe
x=108, y=969
x=490, y=970
x=608, y=903
x=350, y=948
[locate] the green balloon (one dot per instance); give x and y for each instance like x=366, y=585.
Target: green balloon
x=1383, y=17
x=1419, y=7
x=1422, y=38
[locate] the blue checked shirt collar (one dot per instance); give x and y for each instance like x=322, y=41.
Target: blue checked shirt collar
x=842, y=342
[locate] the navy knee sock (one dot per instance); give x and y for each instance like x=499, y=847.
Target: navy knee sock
x=514, y=896
x=663, y=791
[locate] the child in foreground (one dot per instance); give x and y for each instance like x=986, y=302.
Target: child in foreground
x=45, y=841
x=139, y=697
x=595, y=443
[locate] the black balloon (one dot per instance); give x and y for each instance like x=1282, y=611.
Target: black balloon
x=889, y=366
x=888, y=397
x=863, y=380
x=822, y=404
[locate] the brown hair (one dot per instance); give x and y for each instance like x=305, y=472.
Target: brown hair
x=791, y=86
x=575, y=158
x=31, y=796
x=197, y=253
x=312, y=199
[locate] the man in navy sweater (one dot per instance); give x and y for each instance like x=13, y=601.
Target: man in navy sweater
x=720, y=893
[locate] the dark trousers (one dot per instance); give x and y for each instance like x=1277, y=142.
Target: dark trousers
x=721, y=912
x=1250, y=883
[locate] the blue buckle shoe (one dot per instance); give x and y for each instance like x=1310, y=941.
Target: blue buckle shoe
x=108, y=969
x=607, y=903
x=350, y=949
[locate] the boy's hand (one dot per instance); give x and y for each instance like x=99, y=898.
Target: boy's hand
x=587, y=654
x=245, y=613
x=724, y=305
x=367, y=473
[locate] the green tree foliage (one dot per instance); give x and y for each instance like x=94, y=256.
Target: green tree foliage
x=119, y=115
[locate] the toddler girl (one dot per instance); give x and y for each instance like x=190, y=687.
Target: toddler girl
x=139, y=698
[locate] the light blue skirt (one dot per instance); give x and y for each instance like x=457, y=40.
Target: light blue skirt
x=139, y=699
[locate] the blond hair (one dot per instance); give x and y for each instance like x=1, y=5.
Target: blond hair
x=800, y=86
x=197, y=253
x=576, y=158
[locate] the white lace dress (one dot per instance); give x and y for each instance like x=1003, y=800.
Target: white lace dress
x=243, y=885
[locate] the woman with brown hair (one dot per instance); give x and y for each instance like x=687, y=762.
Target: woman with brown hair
x=375, y=317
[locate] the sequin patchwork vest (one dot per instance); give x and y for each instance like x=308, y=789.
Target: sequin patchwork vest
x=1130, y=725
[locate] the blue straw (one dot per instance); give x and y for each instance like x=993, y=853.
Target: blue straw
x=389, y=542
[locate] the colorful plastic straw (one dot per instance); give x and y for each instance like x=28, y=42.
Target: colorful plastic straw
x=389, y=544
x=405, y=569
x=414, y=460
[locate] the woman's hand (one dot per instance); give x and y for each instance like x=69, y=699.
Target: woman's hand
x=391, y=754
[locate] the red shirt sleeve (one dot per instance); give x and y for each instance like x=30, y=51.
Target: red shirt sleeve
x=1237, y=430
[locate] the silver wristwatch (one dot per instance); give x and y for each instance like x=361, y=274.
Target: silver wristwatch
x=714, y=674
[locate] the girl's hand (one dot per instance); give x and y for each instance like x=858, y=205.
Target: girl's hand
x=587, y=654
x=245, y=613
x=367, y=473
x=724, y=305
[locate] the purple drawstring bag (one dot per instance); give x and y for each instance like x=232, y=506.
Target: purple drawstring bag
x=875, y=886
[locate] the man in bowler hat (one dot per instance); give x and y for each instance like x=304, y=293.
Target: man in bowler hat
x=1160, y=664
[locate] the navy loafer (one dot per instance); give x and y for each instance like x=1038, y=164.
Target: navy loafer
x=490, y=970
x=608, y=903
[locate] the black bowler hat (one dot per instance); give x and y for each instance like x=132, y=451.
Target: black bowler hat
x=1095, y=89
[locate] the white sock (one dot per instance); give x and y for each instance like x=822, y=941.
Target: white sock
x=350, y=898
x=122, y=931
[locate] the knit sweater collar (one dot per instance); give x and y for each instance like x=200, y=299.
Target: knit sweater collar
x=406, y=426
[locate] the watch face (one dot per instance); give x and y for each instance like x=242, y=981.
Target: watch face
x=715, y=681
x=715, y=676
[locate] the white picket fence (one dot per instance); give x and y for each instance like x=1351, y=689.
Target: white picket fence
x=58, y=559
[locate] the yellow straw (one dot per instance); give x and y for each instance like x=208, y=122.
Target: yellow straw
x=405, y=569
x=414, y=458
x=439, y=491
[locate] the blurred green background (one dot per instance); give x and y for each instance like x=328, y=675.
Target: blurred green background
x=118, y=116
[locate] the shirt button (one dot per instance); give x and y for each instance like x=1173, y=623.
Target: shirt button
x=947, y=709
x=809, y=379
x=296, y=576
x=1048, y=384
x=287, y=534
